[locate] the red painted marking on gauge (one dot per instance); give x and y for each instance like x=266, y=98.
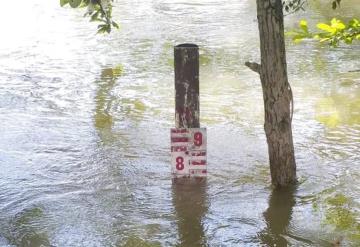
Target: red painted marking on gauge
x=198, y=163
x=200, y=153
x=178, y=149
x=179, y=139
x=175, y=131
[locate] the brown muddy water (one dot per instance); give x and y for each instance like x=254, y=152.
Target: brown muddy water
x=85, y=119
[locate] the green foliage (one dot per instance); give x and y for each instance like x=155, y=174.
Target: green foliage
x=75, y=3
x=63, y=2
x=334, y=33
x=98, y=11
x=301, y=33
x=337, y=31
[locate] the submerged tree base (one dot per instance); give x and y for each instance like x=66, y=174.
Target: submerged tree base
x=276, y=92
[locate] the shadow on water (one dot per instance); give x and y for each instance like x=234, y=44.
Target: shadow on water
x=277, y=217
x=25, y=229
x=191, y=204
x=108, y=77
x=112, y=108
x=105, y=103
x=339, y=107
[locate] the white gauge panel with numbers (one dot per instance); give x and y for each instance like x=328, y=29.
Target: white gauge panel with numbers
x=188, y=152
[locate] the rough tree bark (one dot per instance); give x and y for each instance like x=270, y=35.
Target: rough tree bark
x=276, y=92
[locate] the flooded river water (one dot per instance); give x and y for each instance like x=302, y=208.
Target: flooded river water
x=85, y=119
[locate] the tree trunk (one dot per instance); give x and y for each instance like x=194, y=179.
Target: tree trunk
x=276, y=92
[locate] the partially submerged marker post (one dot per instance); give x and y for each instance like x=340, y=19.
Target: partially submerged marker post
x=187, y=105
x=188, y=140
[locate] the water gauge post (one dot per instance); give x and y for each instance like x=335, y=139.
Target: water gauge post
x=188, y=140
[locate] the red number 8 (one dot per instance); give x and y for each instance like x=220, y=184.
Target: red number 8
x=198, y=139
x=180, y=163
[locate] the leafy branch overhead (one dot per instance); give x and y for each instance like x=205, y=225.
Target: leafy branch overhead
x=97, y=10
x=334, y=33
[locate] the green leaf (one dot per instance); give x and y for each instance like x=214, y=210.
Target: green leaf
x=291, y=33
x=326, y=27
x=299, y=37
x=63, y=2
x=354, y=23
x=95, y=16
x=84, y=3
x=337, y=24
x=104, y=28
x=303, y=25
x=348, y=40
x=115, y=25
x=75, y=3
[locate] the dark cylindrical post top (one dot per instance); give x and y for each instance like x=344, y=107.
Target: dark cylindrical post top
x=187, y=45
x=187, y=107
